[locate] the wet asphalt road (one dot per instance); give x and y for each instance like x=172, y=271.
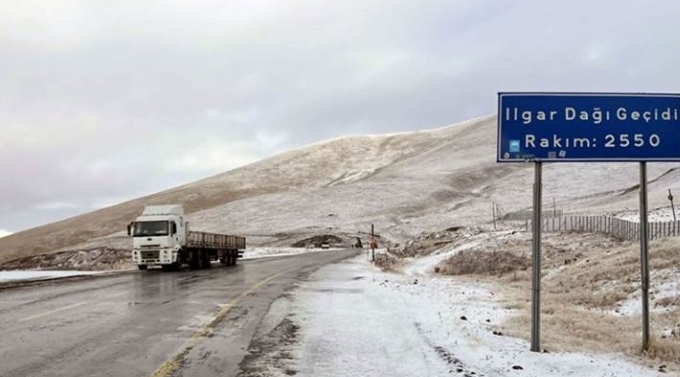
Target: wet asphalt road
x=186, y=323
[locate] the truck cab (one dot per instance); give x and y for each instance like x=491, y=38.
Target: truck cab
x=158, y=235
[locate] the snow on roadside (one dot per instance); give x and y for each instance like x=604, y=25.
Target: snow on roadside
x=263, y=252
x=17, y=275
x=358, y=321
x=663, y=285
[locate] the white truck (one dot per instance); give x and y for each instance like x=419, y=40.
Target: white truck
x=161, y=237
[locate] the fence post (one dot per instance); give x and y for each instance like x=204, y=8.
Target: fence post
x=664, y=229
x=609, y=225
x=614, y=226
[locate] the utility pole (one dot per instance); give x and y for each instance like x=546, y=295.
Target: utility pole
x=493, y=211
x=670, y=197
x=554, y=208
x=373, y=243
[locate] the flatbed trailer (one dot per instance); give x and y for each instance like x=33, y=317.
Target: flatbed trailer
x=161, y=237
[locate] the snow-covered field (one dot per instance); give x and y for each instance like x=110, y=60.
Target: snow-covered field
x=17, y=275
x=657, y=215
x=358, y=321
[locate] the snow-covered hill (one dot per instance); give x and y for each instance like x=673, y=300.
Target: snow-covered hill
x=403, y=183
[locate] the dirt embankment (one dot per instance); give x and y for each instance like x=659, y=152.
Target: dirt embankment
x=86, y=260
x=428, y=243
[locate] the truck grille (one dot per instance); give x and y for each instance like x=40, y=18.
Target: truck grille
x=150, y=254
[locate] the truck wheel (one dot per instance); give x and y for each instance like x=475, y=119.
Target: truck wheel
x=142, y=266
x=194, y=261
x=234, y=258
x=206, y=261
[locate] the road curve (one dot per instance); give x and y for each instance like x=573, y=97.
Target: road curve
x=151, y=323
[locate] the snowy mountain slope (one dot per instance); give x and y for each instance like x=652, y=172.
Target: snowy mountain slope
x=403, y=183
x=450, y=184
x=332, y=163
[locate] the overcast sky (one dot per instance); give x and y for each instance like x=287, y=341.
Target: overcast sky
x=103, y=101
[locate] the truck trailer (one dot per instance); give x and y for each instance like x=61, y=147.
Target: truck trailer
x=161, y=237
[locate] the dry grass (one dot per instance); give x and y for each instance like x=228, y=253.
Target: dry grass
x=496, y=262
x=388, y=263
x=585, y=277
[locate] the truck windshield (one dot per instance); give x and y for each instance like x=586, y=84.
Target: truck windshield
x=150, y=228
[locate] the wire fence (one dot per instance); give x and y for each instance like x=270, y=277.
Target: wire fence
x=618, y=228
x=528, y=215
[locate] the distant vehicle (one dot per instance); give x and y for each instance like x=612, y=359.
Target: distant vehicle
x=325, y=246
x=161, y=237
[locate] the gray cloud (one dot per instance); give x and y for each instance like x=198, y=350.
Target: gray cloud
x=105, y=101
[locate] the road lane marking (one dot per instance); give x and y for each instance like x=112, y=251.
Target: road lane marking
x=171, y=365
x=67, y=307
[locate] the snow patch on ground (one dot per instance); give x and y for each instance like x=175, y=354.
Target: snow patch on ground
x=633, y=304
x=658, y=215
x=17, y=275
x=384, y=324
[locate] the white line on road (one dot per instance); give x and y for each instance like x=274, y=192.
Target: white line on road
x=53, y=311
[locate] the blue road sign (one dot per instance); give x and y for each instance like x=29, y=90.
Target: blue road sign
x=569, y=127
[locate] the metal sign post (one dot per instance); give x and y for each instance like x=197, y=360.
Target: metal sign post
x=644, y=242
x=588, y=127
x=670, y=197
x=536, y=261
